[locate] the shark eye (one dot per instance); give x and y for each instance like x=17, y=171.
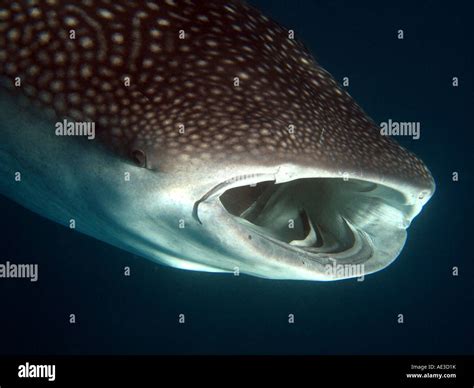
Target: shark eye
x=139, y=157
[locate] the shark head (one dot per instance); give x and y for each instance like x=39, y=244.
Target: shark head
x=216, y=141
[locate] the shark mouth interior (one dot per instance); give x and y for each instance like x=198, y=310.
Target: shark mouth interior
x=352, y=221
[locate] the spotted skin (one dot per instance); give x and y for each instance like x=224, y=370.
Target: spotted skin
x=179, y=82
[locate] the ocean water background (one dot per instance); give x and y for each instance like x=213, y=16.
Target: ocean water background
x=405, y=80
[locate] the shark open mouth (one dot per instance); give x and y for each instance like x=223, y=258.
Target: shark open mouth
x=351, y=221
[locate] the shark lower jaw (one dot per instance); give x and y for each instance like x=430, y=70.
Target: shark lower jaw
x=310, y=228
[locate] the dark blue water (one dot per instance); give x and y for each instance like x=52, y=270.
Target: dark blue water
x=406, y=80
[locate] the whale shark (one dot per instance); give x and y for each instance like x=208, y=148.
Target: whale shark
x=197, y=134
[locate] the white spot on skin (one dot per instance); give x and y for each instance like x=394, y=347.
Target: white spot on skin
x=155, y=48
x=243, y=75
x=87, y=42
x=86, y=71
x=74, y=98
x=116, y=60
x=57, y=86
x=13, y=35
x=211, y=43
x=44, y=37
x=230, y=9
x=89, y=109
x=60, y=58
x=147, y=63
x=35, y=12
x=304, y=61
x=45, y=97
x=163, y=22
x=4, y=14
x=152, y=5
x=105, y=13
x=71, y=21
x=117, y=38
x=155, y=33
x=33, y=70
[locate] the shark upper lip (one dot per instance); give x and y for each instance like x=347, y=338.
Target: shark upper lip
x=236, y=181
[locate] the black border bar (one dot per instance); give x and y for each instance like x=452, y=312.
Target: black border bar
x=221, y=370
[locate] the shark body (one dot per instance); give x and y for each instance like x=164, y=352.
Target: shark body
x=220, y=144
